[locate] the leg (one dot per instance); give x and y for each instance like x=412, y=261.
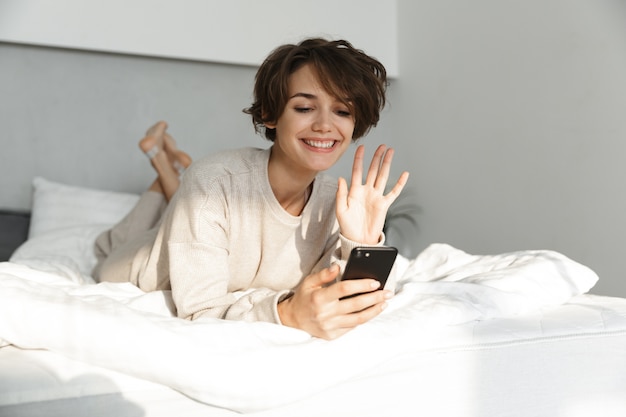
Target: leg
x=120, y=249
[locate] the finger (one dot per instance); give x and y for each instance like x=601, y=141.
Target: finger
x=322, y=277
x=350, y=287
x=350, y=321
x=372, y=173
x=357, y=166
x=385, y=168
x=362, y=310
x=363, y=301
x=398, y=187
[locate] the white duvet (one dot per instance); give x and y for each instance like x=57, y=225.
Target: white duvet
x=256, y=366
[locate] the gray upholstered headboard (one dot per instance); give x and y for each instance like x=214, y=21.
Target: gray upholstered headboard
x=13, y=231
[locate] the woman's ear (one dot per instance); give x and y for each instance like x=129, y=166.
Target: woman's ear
x=266, y=123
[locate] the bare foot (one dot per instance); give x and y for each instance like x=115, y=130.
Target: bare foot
x=153, y=146
x=180, y=160
x=157, y=130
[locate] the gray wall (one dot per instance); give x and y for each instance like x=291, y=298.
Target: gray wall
x=77, y=116
x=514, y=113
x=508, y=114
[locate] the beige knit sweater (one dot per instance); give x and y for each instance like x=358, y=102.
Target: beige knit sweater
x=227, y=247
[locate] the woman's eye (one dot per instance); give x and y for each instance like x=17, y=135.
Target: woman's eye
x=303, y=109
x=343, y=113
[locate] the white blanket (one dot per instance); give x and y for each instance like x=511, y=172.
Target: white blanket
x=255, y=366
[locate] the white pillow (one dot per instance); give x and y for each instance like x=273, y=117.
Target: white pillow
x=65, y=221
x=68, y=252
x=59, y=206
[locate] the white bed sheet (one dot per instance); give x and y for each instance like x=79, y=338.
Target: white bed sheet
x=566, y=361
x=119, y=327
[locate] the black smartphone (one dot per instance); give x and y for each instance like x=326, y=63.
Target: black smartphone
x=370, y=262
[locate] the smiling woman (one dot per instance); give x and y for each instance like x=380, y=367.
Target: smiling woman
x=268, y=221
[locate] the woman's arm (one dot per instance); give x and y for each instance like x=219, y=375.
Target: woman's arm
x=317, y=305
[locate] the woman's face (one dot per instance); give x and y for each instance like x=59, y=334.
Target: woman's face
x=315, y=128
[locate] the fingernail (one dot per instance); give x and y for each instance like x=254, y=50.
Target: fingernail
x=388, y=295
x=375, y=284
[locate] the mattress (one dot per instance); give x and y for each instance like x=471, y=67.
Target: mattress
x=564, y=361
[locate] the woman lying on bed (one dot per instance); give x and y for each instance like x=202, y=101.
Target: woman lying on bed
x=255, y=234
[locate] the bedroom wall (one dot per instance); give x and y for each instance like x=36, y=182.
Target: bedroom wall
x=513, y=113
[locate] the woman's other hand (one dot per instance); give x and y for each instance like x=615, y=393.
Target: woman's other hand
x=319, y=309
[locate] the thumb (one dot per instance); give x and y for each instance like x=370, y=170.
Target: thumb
x=325, y=276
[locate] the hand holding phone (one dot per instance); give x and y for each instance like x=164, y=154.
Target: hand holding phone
x=370, y=262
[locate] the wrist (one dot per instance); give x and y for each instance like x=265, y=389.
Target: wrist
x=284, y=311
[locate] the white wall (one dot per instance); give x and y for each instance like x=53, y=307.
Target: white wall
x=225, y=31
x=514, y=114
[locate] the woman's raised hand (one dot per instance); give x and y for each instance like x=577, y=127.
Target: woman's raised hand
x=361, y=211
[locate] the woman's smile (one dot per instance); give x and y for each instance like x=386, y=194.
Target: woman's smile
x=320, y=144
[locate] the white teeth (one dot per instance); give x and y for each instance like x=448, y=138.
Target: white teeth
x=320, y=144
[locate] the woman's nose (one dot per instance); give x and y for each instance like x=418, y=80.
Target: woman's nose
x=322, y=122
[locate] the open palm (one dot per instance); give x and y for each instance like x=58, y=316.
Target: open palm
x=362, y=209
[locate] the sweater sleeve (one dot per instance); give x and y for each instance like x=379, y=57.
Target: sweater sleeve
x=200, y=288
x=339, y=252
x=207, y=278
x=196, y=250
x=343, y=252
x=200, y=275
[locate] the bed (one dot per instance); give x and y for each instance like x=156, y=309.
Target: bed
x=512, y=334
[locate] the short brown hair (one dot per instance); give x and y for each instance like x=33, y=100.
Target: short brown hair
x=348, y=74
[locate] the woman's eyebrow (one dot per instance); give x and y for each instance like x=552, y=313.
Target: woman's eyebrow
x=305, y=95
x=311, y=96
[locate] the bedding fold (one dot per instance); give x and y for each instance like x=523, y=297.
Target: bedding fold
x=256, y=366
